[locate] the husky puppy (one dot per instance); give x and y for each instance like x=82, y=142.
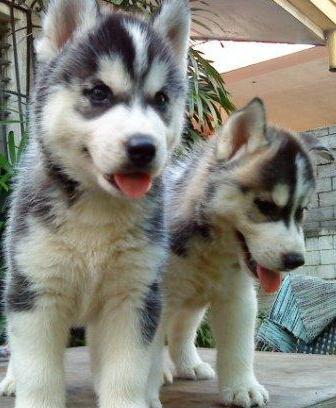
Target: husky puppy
x=107, y=112
x=235, y=213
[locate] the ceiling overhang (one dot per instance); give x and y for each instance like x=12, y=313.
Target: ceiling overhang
x=276, y=21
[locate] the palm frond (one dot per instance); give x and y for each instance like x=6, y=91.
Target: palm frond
x=208, y=96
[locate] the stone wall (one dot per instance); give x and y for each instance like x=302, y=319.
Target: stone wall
x=322, y=213
x=321, y=254
x=320, y=226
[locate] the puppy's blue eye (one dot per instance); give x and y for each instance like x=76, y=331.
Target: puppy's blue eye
x=100, y=94
x=161, y=99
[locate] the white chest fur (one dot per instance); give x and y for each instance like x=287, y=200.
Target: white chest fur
x=98, y=250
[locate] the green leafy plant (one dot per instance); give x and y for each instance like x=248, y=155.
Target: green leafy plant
x=9, y=161
x=204, y=336
x=208, y=96
x=8, y=167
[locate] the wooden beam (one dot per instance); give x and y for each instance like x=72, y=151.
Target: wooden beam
x=327, y=7
x=320, y=12
x=301, y=17
x=331, y=40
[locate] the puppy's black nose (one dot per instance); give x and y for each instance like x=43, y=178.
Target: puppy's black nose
x=140, y=149
x=293, y=260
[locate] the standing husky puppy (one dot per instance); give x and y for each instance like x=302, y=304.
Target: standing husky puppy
x=235, y=212
x=107, y=112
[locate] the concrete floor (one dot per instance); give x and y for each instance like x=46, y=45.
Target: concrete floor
x=293, y=380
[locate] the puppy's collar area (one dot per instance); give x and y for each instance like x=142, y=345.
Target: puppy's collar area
x=269, y=280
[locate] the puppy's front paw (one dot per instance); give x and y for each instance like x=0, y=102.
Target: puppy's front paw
x=8, y=386
x=155, y=403
x=245, y=395
x=168, y=374
x=201, y=371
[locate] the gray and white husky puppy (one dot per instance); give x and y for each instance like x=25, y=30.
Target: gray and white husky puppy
x=107, y=113
x=235, y=212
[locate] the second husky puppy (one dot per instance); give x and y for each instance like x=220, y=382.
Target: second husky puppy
x=107, y=112
x=235, y=213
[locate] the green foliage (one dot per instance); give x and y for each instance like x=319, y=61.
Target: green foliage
x=8, y=166
x=208, y=96
x=204, y=336
x=10, y=160
x=77, y=337
x=142, y=6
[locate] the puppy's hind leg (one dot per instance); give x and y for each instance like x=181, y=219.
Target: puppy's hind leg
x=182, y=329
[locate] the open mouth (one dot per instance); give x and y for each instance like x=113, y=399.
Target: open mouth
x=269, y=280
x=133, y=185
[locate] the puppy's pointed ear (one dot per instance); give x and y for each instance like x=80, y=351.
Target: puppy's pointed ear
x=244, y=131
x=313, y=144
x=64, y=18
x=173, y=22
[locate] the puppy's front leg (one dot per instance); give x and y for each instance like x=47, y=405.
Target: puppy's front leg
x=120, y=341
x=155, y=379
x=233, y=315
x=37, y=340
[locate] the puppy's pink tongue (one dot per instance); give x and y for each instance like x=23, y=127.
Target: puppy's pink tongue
x=134, y=185
x=270, y=280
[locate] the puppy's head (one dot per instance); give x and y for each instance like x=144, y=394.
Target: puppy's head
x=268, y=183
x=111, y=92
